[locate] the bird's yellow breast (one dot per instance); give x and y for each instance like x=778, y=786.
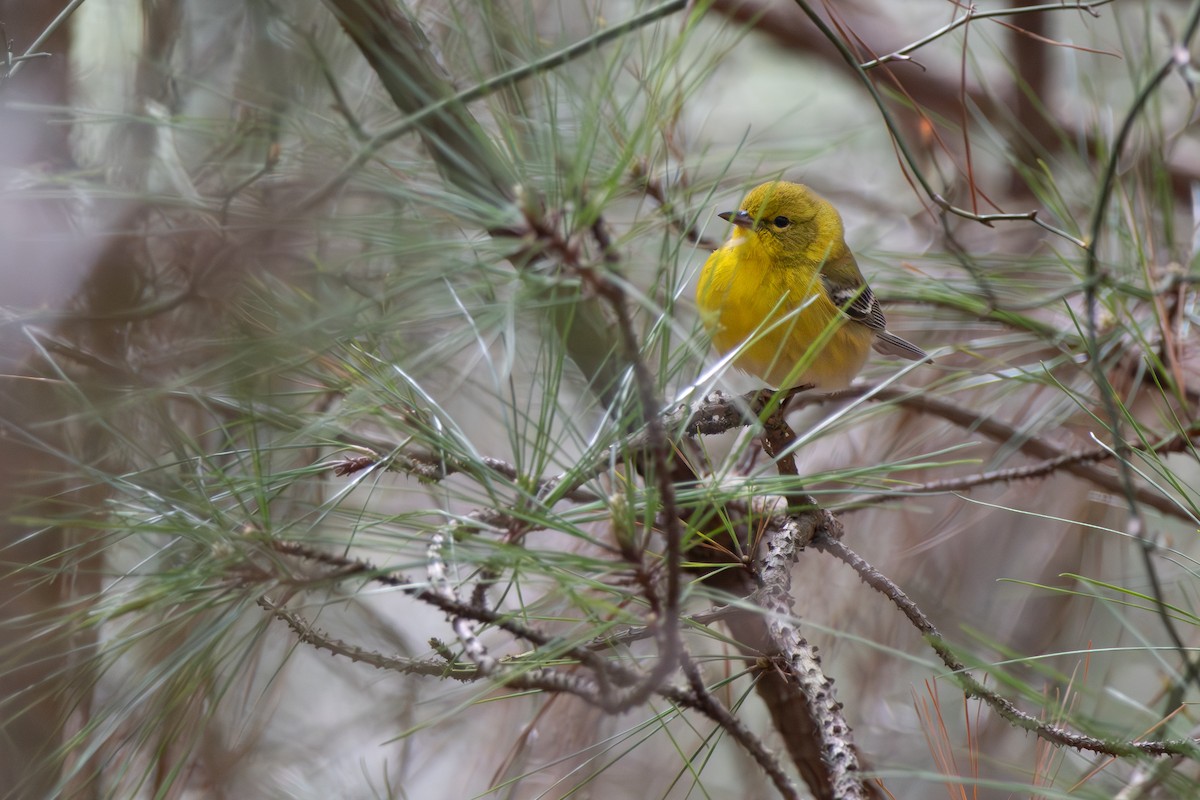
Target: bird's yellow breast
x=776, y=313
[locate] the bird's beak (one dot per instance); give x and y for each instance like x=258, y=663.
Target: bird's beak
x=740, y=218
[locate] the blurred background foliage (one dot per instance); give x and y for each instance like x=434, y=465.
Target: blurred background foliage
x=243, y=243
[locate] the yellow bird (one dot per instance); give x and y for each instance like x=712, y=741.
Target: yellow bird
x=785, y=292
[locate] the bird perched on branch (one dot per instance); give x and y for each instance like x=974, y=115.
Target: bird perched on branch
x=786, y=296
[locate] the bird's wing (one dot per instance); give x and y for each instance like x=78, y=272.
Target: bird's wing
x=859, y=304
x=855, y=299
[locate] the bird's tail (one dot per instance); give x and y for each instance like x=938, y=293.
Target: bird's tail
x=892, y=345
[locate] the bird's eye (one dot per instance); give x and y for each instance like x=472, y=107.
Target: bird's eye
x=782, y=222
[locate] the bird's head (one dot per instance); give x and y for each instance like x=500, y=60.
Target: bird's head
x=790, y=221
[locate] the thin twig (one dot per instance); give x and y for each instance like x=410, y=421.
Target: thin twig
x=911, y=162
x=42, y=38
x=658, y=445
x=973, y=14
x=654, y=189
x=1179, y=58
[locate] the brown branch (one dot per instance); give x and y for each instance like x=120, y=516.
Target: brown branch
x=309, y=634
x=618, y=687
x=972, y=688
x=1171, y=444
x=431, y=467
x=663, y=464
x=738, y=730
x=517, y=676
x=346, y=568
x=509, y=673
x=1003, y=432
x=777, y=438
